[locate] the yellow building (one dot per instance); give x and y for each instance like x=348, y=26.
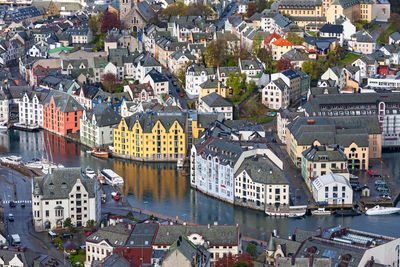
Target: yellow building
x=354, y=10
x=213, y=86
x=308, y=8
x=162, y=136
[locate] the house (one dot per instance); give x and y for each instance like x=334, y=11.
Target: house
x=367, y=65
x=85, y=95
x=79, y=35
x=141, y=92
x=394, y=38
x=159, y=82
x=350, y=79
x=297, y=57
x=223, y=73
x=332, y=189
x=213, y=86
x=393, y=51
x=362, y=42
x=37, y=51
x=195, y=76
x=253, y=68
x=113, y=100
x=4, y=106
x=322, y=45
x=185, y=253
x=31, y=108
x=348, y=28
x=180, y=59
x=353, y=10
x=96, y=125
x=279, y=47
x=25, y=257
x=320, y=160
x=61, y=113
x=65, y=193
x=144, y=64
x=213, y=102
x=276, y=94
x=283, y=118
x=332, y=73
x=292, y=79
x=332, y=30
x=260, y=184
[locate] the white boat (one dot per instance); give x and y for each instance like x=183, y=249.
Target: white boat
x=14, y=160
x=291, y=212
x=90, y=173
x=379, y=210
x=321, y=211
x=35, y=164
x=112, y=178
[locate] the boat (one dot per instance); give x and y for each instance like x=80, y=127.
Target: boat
x=321, y=211
x=291, y=212
x=349, y=212
x=379, y=210
x=34, y=164
x=90, y=173
x=3, y=126
x=99, y=152
x=13, y=160
x=26, y=127
x=112, y=178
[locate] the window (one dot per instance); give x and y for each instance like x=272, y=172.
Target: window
x=47, y=213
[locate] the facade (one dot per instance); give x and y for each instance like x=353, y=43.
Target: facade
x=320, y=160
x=213, y=86
x=362, y=42
x=96, y=125
x=292, y=79
x=195, y=76
x=283, y=118
x=389, y=81
x=332, y=189
x=61, y=113
x=65, y=193
x=281, y=47
x=275, y=95
x=158, y=82
x=216, y=103
x=31, y=108
x=4, y=107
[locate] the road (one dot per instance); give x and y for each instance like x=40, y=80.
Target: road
x=229, y=11
x=173, y=90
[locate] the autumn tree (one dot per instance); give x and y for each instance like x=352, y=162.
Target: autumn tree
x=199, y=10
x=284, y=64
x=236, y=81
x=251, y=9
x=109, y=21
x=175, y=9
x=295, y=39
x=94, y=23
x=238, y=260
x=265, y=55
x=110, y=82
x=216, y=52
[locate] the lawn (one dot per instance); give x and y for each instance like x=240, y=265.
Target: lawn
x=311, y=33
x=254, y=110
x=348, y=59
x=384, y=36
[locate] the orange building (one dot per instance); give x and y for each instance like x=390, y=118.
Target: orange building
x=61, y=113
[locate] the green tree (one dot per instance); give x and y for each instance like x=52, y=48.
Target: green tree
x=175, y=9
x=199, y=10
x=181, y=74
x=236, y=81
x=265, y=55
x=252, y=250
x=269, y=4
x=257, y=42
x=94, y=23
x=261, y=5
x=68, y=222
x=216, y=53
x=295, y=39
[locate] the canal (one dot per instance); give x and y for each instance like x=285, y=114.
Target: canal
x=163, y=189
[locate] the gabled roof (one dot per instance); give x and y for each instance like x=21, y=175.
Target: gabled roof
x=215, y=100
x=395, y=36
x=282, y=42
x=63, y=101
x=103, y=115
x=332, y=28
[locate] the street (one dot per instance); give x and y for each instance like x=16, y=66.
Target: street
x=173, y=90
x=229, y=11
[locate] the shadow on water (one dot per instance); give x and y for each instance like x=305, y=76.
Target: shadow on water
x=161, y=188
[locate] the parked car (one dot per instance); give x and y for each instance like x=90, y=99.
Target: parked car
x=379, y=182
x=52, y=234
x=23, y=205
x=181, y=95
x=11, y=217
x=12, y=204
x=385, y=195
x=67, y=236
x=83, y=247
x=174, y=83
x=382, y=189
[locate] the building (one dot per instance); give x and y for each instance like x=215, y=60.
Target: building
x=213, y=86
x=260, y=184
x=195, y=76
x=389, y=81
x=215, y=103
x=65, y=193
x=332, y=189
x=380, y=105
x=292, y=79
x=358, y=137
x=394, y=38
x=276, y=94
x=253, y=68
x=332, y=30
x=152, y=136
x=96, y=125
x=362, y=42
x=158, y=82
x=310, y=8
x=31, y=108
x=185, y=253
x=220, y=239
x=25, y=257
x=283, y=118
x=317, y=161
x=281, y=47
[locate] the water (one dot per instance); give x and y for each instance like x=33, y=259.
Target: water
x=163, y=189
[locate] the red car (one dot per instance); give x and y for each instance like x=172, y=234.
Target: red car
x=181, y=95
x=88, y=233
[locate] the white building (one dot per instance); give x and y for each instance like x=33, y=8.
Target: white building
x=31, y=108
x=275, y=95
x=96, y=125
x=394, y=38
x=367, y=64
x=283, y=118
x=389, y=81
x=332, y=30
x=393, y=51
x=362, y=42
x=215, y=103
x=65, y=193
x=195, y=76
x=4, y=106
x=332, y=189
x=158, y=82
x=144, y=65
x=348, y=28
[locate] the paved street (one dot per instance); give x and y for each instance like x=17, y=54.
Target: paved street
x=377, y=31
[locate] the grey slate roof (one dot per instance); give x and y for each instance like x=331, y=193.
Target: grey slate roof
x=395, y=36
x=321, y=153
x=215, y=100
x=103, y=115
x=156, y=76
x=142, y=235
x=194, y=254
x=295, y=55
x=363, y=37
x=148, y=120
x=63, y=101
x=217, y=235
x=280, y=84
x=115, y=235
x=332, y=28
x=59, y=183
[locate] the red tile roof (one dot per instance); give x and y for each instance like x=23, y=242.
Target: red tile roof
x=282, y=41
x=270, y=38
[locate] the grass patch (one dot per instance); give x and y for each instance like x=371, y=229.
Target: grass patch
x=311, y=33
x=254, y=110
x=79, y=257
x=262, y=120
x=360, y=25
x=384, y=36
x=348, y=59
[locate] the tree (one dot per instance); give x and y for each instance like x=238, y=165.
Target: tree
x=251, y=9
x=175, y=9
x=110, y=82
x=236, y=81
x=269, y=4
x=199, y=10
x=109, y=21
x=68, y=222
x=216, y=53
x=308, y=67
x=257, y=42
x=261, y=5
x=265, y=55
x=181, y=74
x=284, y=64
x=91, y=224
x=94, y=23
x=295, y=39
x=239, y=260
x=252, y=250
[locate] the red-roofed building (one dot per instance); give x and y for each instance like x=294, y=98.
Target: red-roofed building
x=272, y=38
x=280, y=47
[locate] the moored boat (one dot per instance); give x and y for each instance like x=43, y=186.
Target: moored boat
x=321, y=211
x=14, y=160
x=112, y=178
x=3, y=126
x=99, y=153
x=90, y=173
x=379, y=210
x=349, y=212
